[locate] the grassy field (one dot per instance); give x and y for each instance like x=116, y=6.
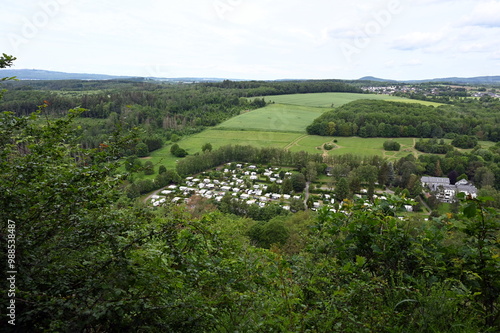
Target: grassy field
x=354, y=145
x=310, y=144
x=373, y=146
x=327, y=100
x=276, y=118
x=292, y=141
x=283, y=126
x=219, y=138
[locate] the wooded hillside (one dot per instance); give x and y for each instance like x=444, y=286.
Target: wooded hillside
x=374, y=118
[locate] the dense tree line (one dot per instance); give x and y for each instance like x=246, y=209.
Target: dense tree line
x=201, y=104
x=264, y=88
x=433, y=146
x=374, y=118
x=464, y=141
x=226, y=154
x=157, y=114
x=195, y=104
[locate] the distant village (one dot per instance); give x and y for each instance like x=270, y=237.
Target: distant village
x=431, y=90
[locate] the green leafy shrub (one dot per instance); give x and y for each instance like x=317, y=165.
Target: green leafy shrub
x=178, y=151
x=465, y=141
x=328, y=146
x=390, y=145
x=141, y=149
x=265, y=234
x=149, y=168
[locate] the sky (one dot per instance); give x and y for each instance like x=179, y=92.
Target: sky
x=255, y=39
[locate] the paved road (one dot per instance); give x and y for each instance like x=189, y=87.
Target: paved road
x=306, y=191
x=148, y=198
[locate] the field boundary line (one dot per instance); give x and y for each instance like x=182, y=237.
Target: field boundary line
x=294, y=142
x=301, y=105
x=248, y=129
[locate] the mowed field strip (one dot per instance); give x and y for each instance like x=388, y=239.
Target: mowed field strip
x=219, y=138
x=326, y=100
x=275, y=118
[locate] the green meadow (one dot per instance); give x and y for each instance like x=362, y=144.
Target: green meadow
x=283, y=125
x=353, y=145
x=327, y=100
x=292, y=141
x=222, y=137
x=373, y=146
x=275, y=118
x=310, y=143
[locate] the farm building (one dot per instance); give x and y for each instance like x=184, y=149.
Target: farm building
x=446, y=192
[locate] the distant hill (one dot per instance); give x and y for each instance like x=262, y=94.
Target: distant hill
x=38, y=74
x=464, y=80
x=460, y=80
x=372, y=78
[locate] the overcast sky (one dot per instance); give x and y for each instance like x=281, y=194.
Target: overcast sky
x=255, y=39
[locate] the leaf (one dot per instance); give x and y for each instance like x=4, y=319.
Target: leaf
x=405, y=301
x=485, y=199
x=470, y=210
x=360, y=261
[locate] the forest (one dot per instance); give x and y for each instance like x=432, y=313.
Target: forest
x=160, y=109
x=89, y=257
x=374, y=118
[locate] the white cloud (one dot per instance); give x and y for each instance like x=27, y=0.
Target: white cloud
x=477, y=47
x=495, y=55
x=257, y=38
x=393, y=63
x=485, y=14
x=346, y=32
x=430, y=2
x=413, y=62
x=419, y=40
